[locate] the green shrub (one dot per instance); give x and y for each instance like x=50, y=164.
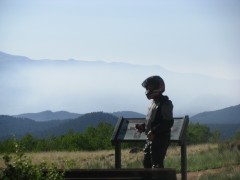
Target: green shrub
x=18, y=166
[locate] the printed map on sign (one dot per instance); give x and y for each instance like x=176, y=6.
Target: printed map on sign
x=128, y=132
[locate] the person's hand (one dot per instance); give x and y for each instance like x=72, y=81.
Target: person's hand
x=150, y=136
x=139, y=128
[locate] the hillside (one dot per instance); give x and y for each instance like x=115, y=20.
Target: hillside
x=10, y=125
x=226, y=121
x=229, y=115
x=226, y=130
x=80, y=124
x=46, y=123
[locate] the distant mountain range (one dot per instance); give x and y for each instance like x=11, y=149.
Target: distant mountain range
x=27, y=85
x=48, y=123
x=229, y=115
x=17, y=126
x=225, y=120
x=64, y=115
x=80, y=124
x=49, y=115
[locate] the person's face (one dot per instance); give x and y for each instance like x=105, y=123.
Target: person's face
x=149, y=91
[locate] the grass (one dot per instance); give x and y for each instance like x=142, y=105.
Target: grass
x=205, y=156
x=200, y=157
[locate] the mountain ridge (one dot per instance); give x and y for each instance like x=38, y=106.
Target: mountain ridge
x=229, y=115
x=113, y=86
x=49, y=115
x=82, y=123
x=5, y=57
x=20, y=126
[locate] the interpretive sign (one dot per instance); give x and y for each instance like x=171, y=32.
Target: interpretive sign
x=125, y=132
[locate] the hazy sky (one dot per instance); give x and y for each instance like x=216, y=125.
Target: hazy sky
x=201, y=36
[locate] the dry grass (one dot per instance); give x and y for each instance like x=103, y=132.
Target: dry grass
x=80, y=159
x=84, y=159
x=191, y=149
x=104, y=158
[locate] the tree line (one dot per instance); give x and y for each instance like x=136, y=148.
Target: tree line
x=95, y=138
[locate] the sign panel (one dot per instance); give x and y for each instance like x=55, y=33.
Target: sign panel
x=126, y=129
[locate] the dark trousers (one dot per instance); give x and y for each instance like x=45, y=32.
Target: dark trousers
x=155, y=152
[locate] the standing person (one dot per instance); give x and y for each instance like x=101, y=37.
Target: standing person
x=159, y=121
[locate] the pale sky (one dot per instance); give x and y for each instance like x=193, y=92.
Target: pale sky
x=201, y=36
x=194, y=36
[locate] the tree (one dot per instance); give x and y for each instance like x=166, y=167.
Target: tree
x=215, y=136
x=197, y=133
x=99, y=137
x=28, y=142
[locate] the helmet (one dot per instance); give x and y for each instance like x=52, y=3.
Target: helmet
x=154, y=86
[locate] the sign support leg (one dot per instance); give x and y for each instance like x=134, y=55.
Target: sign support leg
x=118, y=155
x=183, y=160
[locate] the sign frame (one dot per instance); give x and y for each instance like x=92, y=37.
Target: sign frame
x=125, y=132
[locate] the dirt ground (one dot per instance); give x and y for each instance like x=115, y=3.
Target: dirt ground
x=198, y=174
